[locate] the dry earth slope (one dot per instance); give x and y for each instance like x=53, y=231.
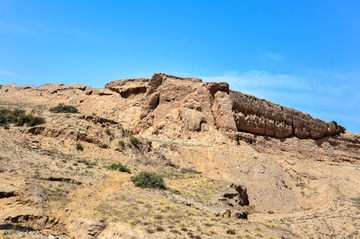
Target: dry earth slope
x=235, y=166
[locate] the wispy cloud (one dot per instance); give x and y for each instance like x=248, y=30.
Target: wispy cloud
x=13, y=28
x=274, y=57
x=322, y=83
x=181, y=73
x=262, y=79
x=2, y=72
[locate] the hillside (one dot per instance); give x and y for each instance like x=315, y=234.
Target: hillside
x=234, y=165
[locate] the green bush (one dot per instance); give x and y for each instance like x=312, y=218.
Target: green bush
x=119, y=167
x=160, y=228
x=19, y=118
x=107, y=131
x=36, y=120
x=79, y=147
x=335, y=123
x=134, y=141
x=149, y=180
x=231, y=232
x=122, y=143
x=149, y=230
x=62, y=108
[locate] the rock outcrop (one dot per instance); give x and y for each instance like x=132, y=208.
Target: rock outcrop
x=176, y=107
x=187, y=108
x=213, y=103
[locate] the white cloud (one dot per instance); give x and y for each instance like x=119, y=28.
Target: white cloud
x=181, y=73
x=261, y=79
x=274, y=57
x=2, y=72
x=12, y=28
x=316, y=82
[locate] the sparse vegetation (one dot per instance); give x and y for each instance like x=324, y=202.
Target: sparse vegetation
x=148, y=180
x=231, y=232
x=62, y=108
x=160, y=229
x=335, y=123
x=122, y=143
x=107, y=131
x=19, y=118
x=119, y=167
x=134, y=141
x=79, y=147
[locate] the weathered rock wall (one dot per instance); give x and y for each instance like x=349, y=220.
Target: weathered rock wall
x=187, y=108
x=225, y=109
x=262, y=117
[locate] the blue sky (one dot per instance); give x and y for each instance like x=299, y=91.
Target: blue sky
x=300, y=54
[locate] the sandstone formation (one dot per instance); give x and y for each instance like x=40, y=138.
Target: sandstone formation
x=225, y=157
x=177, y=108
x=213, y=103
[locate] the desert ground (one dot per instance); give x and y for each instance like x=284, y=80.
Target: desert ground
x=218, y=185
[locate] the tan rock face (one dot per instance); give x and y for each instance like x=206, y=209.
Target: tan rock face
x=188, y=108
x=262, y=117
x=222, y=108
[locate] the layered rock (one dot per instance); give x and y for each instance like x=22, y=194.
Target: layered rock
x=187, y=108
x=262, y=117
x=227, y=110
x=174, y=107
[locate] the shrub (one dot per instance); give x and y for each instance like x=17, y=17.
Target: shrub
x=19, y=118
x=23, y=119
x=231, y=232
x=335, y=123
x=62, y=108
x=148, y=180
x=122, y=143
x=79, y=147
x=149, y=230
x=107, y=131
x=36, y=120
x=270, y=211
x=176, y=231
x=158, y=216
x=119, y=167
x=160, y=229
x=134, y=141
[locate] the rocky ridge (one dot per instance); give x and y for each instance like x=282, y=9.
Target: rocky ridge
x=177, y=108
x=196, y=106
x=226, y=157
